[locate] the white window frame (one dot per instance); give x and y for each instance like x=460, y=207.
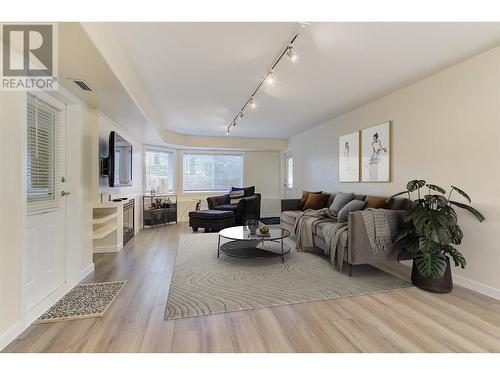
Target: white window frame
x=210, y=152
x=172, y=165
x=288, y=156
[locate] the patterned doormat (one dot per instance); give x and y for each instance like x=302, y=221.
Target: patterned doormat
x=83, y=301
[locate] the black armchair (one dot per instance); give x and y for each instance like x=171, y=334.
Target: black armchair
x=248, y=208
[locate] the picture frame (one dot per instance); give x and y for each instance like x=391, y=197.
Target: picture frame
x=376, y=153
x=349, y=157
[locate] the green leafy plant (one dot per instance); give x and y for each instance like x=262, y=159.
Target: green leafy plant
x=431, y=227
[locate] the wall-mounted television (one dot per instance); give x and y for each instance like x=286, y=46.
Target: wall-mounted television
x=118, y=165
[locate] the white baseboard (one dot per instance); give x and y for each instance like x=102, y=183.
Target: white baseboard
x=87, y=270
x=11, y=335
x=477, y=287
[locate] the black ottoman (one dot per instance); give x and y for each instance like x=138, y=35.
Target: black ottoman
x=215, y=220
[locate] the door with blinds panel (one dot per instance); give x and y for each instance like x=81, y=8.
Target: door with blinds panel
x=44, y=258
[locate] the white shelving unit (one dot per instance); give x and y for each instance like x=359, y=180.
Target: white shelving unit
x=103, y=217
x=107, y=228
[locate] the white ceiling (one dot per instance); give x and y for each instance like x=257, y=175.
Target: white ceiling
x=78, y=58
x=197, y=75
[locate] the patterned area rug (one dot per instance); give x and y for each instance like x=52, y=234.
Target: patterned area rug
x=203, y=285
x=83, y=301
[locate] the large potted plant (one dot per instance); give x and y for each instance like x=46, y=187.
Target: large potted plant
x=431, y=232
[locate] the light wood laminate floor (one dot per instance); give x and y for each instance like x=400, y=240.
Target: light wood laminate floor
x=408, y=320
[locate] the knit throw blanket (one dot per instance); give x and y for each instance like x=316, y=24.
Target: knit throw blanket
x=336, y=240
x=380, y=226
x=304, y=226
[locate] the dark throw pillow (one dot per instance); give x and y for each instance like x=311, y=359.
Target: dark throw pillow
x=375, y=202
x=354, y=205
x=315, y=201
x=305, y=194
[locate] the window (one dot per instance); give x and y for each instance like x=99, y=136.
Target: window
x=45, y=159
x=158, y=170
x=289, y=171
x=212, y=172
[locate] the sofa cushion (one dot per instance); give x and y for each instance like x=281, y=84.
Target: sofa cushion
x=354, y=205
x=249, y=191
x=315, y=201
x=211, y=214
x=375, y=202
x=305, y=195
x=226, y=207
x=340, y=200
x=289, y=216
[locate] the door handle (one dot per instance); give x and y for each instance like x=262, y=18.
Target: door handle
x=64, y=193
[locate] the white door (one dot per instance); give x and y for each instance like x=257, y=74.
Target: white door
x=45, y=242
x=288, y=175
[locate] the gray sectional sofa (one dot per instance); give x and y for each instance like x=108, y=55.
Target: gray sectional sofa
x=358, y=246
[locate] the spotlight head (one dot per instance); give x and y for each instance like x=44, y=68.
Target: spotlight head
x=270, y=77
x=227, y=132
x=291, y=53
x=240, y=116
x=251, y=103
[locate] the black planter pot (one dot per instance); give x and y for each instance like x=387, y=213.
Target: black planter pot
x=442, y=284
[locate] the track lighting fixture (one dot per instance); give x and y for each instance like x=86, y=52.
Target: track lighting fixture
x=269, y=77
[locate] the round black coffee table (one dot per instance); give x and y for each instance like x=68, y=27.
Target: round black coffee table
x=242, y=244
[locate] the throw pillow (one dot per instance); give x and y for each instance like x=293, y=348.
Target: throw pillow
x=354, y=205
x=375, y=202
x=305, y=194
x=235, y=196
x=340, y=200
x=315, y=201
x=249, y=191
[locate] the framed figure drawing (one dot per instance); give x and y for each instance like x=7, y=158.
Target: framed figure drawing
x=349, y=157
x=376, y=153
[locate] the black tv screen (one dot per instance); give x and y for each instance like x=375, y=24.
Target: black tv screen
x=120, y=161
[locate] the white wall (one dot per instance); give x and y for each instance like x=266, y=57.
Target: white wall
x=446, y=129
x=262, y=169
x=11, y=218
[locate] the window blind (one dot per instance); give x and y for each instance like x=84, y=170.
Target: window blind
x=212, y=172
x=158, y=169
x=45, y=154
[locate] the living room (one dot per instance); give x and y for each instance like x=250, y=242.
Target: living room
x=250, y=187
